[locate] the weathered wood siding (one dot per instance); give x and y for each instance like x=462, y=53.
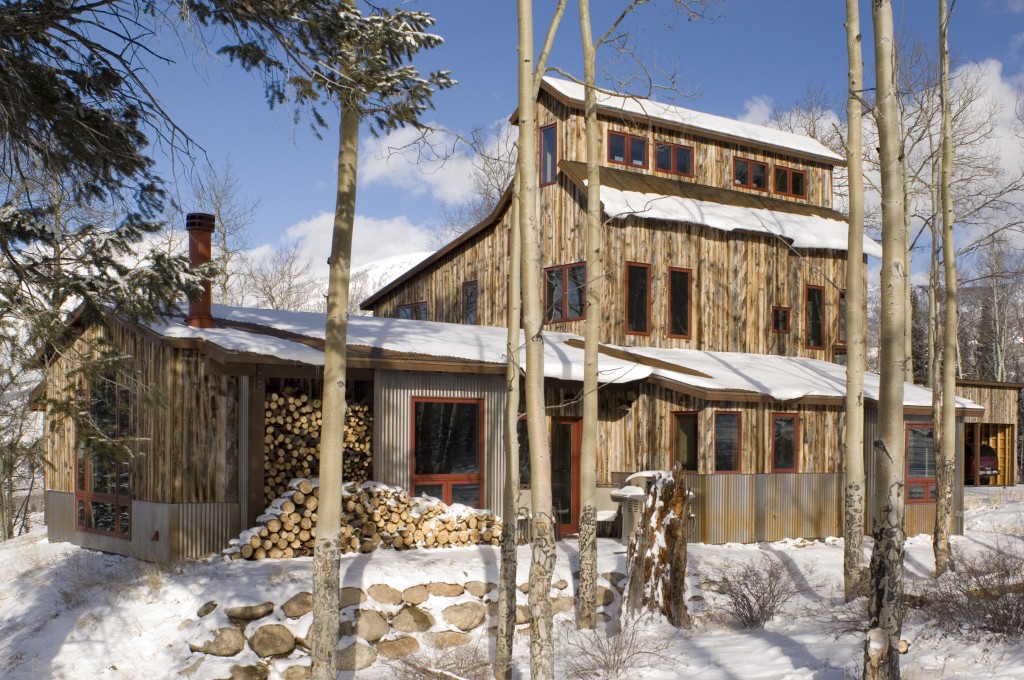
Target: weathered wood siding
x=187, y=417
x=1000, y=402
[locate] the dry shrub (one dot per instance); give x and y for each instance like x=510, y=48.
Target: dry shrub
x=604, y=653
x=756, y=591
x=467, y=662
x=985, y=593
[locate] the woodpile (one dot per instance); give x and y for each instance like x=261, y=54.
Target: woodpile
x=373, y=515
x=291, y=442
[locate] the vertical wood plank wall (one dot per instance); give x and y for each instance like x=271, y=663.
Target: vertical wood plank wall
x=998, y=426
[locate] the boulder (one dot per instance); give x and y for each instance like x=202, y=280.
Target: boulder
x=399, y=647
x=351, y=596
x=524, y=587
x=412, y=619
x=385, y=594
x=226, y=641
x=605, y=596
x=446, y=639
x=272, y=639
x=296, y=672
x=562, y=603
x=371, y=625
x=522, y=613
x=560, y=584
x=466, y=615
x=356, y=657
x=614, y=577
x=249, y=672
x=249, y=612
x=298, y=605
x=479, y=588
x=206, y=609
x=415, y=594
x=445, y=589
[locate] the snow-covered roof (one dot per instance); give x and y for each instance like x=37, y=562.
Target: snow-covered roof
x=695, y=120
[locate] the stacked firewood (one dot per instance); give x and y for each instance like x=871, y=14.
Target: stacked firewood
x=373, y=515
x=292, y=440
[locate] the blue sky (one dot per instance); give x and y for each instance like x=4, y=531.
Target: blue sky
x=755, y=54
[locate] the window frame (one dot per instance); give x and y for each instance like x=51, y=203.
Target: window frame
x=750, y=174
x=928, y=483
x=795, y=417
x=476, y=299
x=628, y=140
x=739, y=442
x=672, y=160
x=84, y=470
x=675, y=450
x=565, y=293
x=789, y=181
x=807, y=317
x=689, y=304
x=446, y=481
x=841, y=319
x=412, y=307
x=554, y=153
x=789, y=320
x=647, y=304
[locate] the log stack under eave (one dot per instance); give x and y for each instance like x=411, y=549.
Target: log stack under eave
x=291, y=441
x=373, y=515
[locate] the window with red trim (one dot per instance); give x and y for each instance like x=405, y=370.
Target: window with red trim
x=413, y=310
x=814, y=312
x=469, y=299
x=565, y=293
x=785, y=442
x=750, y=174
x=841, y=339
x=103, y=474
x=626, y=149
x=674, y=158
x=679, y=296
x=728, y=441
x=920, y=463
x=447, y=449
x=790, y=182
x=780, y=319
x=548, y=154
x=638, y=298
x=685, y=444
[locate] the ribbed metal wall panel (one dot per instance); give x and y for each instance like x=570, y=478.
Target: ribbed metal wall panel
x=765, y=507
x=60, y=516
x=204, y=528
x=393, y=392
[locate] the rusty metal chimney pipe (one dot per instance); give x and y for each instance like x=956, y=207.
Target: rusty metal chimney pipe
x=200, y=228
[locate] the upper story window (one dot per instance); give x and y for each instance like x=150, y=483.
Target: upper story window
x=638, y=298
x=627, y=150
x=728, y=441
x=413, y=310
x=103, y=474
x=920, y=464
x=780, y=319
x=469, y=297
x=679, y=294
x=814, y=311
x=674, y=158
x=784, y=442
x=750, y=174
x=790, y=182
x=565, y=292
x=548, y=154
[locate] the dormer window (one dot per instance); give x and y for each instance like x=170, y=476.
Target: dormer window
x=789, y=182
x=627, y=150
x=674, y=158
x=548, y=154
x=750, y=174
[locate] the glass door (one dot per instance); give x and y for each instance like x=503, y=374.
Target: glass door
x=565, y=482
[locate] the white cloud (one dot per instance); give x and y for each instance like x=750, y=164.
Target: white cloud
x=401, y=160
x=757, y=110
x=374, y=239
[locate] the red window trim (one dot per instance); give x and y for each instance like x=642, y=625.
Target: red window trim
x=446, y=481
x=540, y=156
x=796, y=441
x=625, y=289
x=412, y=306
x=565, y=292
x=82, y=486
x=629, y=145
x=841, y=320
x=689, y=304
x=807, y=317
x=789, y=319
x=675, y=453
x=927, y=482
x=476, y=302
x=739, y=443
x=789, y=181
x=674, y=171
x=750, y=174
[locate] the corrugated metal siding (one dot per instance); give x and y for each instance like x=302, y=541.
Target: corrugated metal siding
x=765, y=507
x=393, y=392
x=203, y=528
x=60, y=516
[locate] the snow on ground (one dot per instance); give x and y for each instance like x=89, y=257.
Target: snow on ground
x=72, y=613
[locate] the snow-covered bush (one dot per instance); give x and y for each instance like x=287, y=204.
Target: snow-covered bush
x=602, y=653
x=756, y=591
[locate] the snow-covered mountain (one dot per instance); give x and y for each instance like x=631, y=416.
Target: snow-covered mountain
x=369, y=278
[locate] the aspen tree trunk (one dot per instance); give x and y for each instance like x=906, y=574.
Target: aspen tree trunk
x=945, y=463
x=587, y=597
x=854, y=576
x=327, y=553
x=881, y=649
x=510, y=508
